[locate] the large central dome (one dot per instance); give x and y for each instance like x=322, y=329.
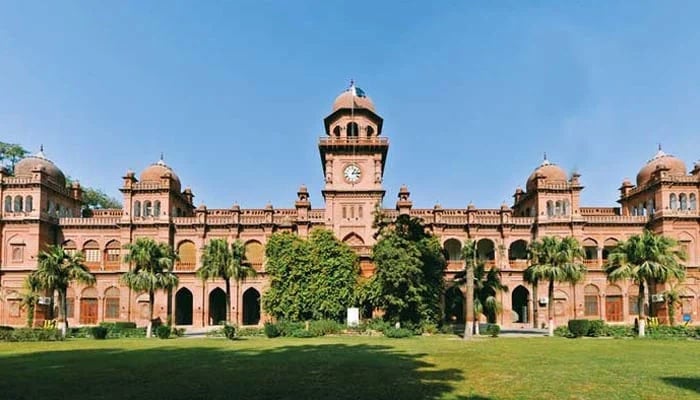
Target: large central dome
x=551, y=173
x=38, y=161
x=353, y=97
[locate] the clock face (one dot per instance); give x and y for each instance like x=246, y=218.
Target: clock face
x=352, y=173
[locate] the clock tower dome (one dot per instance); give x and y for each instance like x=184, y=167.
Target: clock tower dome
x=353, y=155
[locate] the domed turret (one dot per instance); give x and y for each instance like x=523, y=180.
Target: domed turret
x=155, y=172
x=551, y=173
x=675, y=166
x=353, y=97
x=38, y=161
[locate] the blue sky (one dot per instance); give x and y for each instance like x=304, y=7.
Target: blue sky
x=234, y=93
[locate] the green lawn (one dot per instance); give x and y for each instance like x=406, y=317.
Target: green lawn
x=440, y=367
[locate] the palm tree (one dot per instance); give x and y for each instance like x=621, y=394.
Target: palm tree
x=219, y=261
x=57, y=269
x=673, y=295
x=486, y=285
x=152, y=270
x=646, y=259
x=469, y=256
x=30, y=296
x=555, y=260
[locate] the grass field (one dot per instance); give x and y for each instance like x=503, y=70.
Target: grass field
x=439, y=367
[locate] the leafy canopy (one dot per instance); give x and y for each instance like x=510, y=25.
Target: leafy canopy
x=310, y=279
x=152, y=266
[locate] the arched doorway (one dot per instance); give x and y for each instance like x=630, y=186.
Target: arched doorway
x=217, y=306
x=519, y=303
x=183, y=307
x=251, y=307
x=454, y=305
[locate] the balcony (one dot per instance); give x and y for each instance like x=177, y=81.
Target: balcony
x=518, y=264
x=184, y=266
x=592, y=263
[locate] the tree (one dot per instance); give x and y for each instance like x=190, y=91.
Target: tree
x=152, y=270
x=672, y=296
x=555, y=260
x=486, y=283
x=56, y=269
x=646, y=259
x=219, y=261
x=408, y=281
x=310, y=279
x=10, y=154
x=94, y=198
x=30, y=296
x=469, y=255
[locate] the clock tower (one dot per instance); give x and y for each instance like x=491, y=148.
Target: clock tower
x=353, y=155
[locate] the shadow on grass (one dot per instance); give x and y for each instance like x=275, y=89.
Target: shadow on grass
x=692, y=384
x=324, y=371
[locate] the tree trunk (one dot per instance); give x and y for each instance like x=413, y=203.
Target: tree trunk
x=238, y=303
x=63, y=311
x=469, y=303
x=228, y=300
x=151, y=299
x=535, y=306
x=640, y=303
x=550, y=307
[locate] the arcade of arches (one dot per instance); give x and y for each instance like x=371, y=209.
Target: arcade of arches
x=39, y=209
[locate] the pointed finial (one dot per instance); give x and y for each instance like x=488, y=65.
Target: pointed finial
x=352, y=82
x=545, y=156
x=659, y=146
x=41, y=148
x=161, y=156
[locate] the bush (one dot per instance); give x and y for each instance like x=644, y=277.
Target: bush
x=128, y=333
x=562, y=331
x=447, y=328
x=229, y=332
x=179, y=332
x=6, y=328
x=325, y=327
x=163, y=331
x=665, y=331
x=429, y=328
x=374, y=324
x=251, y=332
x=271, y=330
x=596, y=328
x=398, y=333
x=578, y=327
x=99, y=332
x=618, y=331
x=30, y=335
x=286, y=327
x=118, y=325
x=493, y=330
x=302, y=333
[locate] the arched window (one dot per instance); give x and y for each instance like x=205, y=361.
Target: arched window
x=92, y=254
x=673, y=201
x=550, y=208
x=156, y=208
x=565, y=207
x=336, y=131
x=370, y=131
x=683, y=200
x=188, y=256
x=254, y=253
x=641, y=210
x=352, y=130
x=8, y=204
x=18, y=204
x=651, y=209
x=147, y=208
x=591, y=295
x=112, y=303
x=692, y=204
x=137, y=208
x=453, y=248
x=558, y=208
x=52, y=207
x=113, y=252
x=29, y=203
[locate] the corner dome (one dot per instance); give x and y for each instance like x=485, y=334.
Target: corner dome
x=676, y=167
x=353, y=97
x=26, y=166
x=155, y=172
x=551, y=172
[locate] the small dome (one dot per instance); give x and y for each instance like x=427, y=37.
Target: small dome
x=552, y=173
x=155, y=172
x=353, y=97
x=25, y=167
x=676, y=167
